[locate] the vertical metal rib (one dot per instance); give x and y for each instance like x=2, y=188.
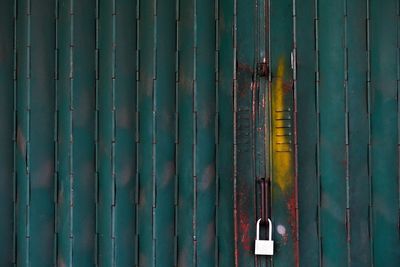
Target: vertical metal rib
x=75, y=132
x=216, y=132
x=205, y=143
x=35, y=133
x=137, y=135
x=332, y=155
x=125, y=120
x=106, y=131
x=369, y=147
x=154, y=160
x=164, y=132
x=7, y=135
x=117, y=133
x=15, y=147
x=176, y=159
x=306, y=115
x=295, y=135
x=22, y=174
x=186, y=149
x=225, y=134
x=235, y=133
x=146, y=132
x=346, y=128
x=358, y=194
x=318, y=126
x=96, y=134
x=65, y=87
x=194, y=131
x=56, y=135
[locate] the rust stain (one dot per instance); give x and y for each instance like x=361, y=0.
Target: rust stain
x=210, y=236
x=88, y=231
x=169, y=172
x=61, y=262
x=291, y=206
x=84, y=110
x=244, y=232
x=126, y=174
x=142, y=197
x=208, y=177
x=182, y=258
x=124, y=118
x=42, y=178
x=185, y=81
x=21, y=142
x=205, y=118
x=243, y=67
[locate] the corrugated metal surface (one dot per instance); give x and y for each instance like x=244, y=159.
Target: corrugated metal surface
x=137, y=133
x=120, y=156
x=347, y=106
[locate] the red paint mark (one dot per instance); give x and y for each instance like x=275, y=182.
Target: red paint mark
x=244, y=232
x=287, y=86
x=293, y=220
x=291, y=205
x=21, y=142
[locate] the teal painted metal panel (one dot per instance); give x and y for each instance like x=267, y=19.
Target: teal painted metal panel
x=383, y=111
x=331, y=107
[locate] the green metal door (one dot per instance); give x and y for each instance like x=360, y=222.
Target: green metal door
x=157, y=132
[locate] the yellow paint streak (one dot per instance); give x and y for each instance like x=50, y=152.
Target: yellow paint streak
x=282, y=145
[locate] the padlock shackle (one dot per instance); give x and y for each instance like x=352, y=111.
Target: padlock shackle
x=269, y=229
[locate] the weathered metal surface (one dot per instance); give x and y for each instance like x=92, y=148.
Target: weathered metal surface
x=136, y=133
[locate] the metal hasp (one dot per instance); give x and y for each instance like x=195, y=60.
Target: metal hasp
x=264, y=247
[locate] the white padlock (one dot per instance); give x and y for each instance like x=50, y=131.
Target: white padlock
x=264, y=247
